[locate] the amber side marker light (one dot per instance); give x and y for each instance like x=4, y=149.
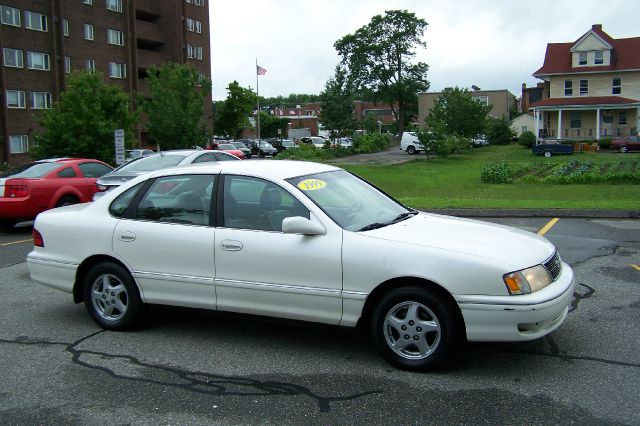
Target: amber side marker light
x=37, y=238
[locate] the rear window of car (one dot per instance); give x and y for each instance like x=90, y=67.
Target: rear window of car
x=31, y=170
x=155, y=162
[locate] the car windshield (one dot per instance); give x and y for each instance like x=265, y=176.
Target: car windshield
x=154, y=162
x=351, y=202
x=239, y=145
x=287, y=143
x=226, y=146
x=31, y=170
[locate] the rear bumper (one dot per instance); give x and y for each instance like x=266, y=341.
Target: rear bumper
x=52, y=273
x=494, y=322
x=16, y=209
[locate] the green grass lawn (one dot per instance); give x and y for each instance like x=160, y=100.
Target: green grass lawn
x=454, y=182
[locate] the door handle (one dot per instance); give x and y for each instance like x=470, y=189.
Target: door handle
x=231, y=245
x=127, y=237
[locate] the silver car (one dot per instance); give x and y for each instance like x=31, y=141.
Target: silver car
x=162, y=160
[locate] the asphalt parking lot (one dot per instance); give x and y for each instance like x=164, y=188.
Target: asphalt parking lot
x=196, y=367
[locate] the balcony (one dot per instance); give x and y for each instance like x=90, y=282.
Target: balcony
x=149, y=8
x=149, y=32
x=148, y=58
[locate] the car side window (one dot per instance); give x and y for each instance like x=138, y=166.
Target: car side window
x=93, y=170
x=67, y=172
x=120, y=204
x=184, y=199
x=222, y=156
x=204, y=158
x=252, y=203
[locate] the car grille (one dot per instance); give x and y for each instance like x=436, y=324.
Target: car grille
x=554, y=266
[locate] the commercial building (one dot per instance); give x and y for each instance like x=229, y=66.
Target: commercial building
x=42, y=41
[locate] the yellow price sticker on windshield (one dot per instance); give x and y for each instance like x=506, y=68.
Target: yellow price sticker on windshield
x=312, y=184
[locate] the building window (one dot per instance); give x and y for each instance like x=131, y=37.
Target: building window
x=65, y=27
x=12, y=57
x=576, y=120
x=194, y=25
x=194, y=52
x=568, y=87
x=89, y=2
x=484, y=100
x=90, y=64
x=40, y=100
x=622, y=118
x=35, y=21
x=115, y=5
x=67, y=64
x=582, y=58
x=10, y=16
x=15, y=99
x=584, y=87
x=117, y=70
x=115, y=37
x=607, y=117
x=616, y=87
x=18, y=144
x=196, y=2
x=88, y=32
x=38, y=61
x=599, y=58
x=524, y=129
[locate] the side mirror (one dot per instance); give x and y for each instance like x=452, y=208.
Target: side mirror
x=301, y=225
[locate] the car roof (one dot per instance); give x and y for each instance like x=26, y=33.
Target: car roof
x=65, y=160
x=281, y=169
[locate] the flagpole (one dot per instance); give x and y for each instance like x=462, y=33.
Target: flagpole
x=258, y=99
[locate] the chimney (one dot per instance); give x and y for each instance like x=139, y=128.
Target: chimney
x=597, y=27
x=524, y=86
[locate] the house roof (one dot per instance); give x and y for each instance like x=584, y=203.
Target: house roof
x=584, y=101
x=625, y=55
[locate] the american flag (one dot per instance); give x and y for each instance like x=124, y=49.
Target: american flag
x=260, y=70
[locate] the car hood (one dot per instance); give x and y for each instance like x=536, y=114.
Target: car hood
x=118, y=178
x=512, y=246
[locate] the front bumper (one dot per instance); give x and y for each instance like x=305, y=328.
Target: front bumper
x=518, y=318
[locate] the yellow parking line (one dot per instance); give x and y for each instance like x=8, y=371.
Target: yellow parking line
x=16, y=242
x=636, y=267
x=548, y=226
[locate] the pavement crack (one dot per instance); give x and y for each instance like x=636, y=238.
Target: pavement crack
x=190, y=381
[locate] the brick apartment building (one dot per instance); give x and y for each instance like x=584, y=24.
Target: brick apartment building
x=42, y=41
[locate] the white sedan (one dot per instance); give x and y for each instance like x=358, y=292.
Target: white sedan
x=420, y=283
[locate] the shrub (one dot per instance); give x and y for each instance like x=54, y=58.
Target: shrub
x=498, y=131
x=604, y=143
x=499, y=172
x=527, y=139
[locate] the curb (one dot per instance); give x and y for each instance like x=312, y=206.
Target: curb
x=561, y=213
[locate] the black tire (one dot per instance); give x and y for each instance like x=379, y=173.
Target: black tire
x=411, y=150
x=7, y=224
x=548, y=154
x=67, y=200
x=426, y=338
x=111, y=296
x=623, y=149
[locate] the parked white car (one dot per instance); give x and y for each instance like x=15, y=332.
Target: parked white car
x=410, y=143
x=418, y=282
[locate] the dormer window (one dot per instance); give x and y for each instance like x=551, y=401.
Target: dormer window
x=582, y=58
x=598, y=58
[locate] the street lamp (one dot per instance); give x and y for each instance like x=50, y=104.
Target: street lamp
x=379, y=126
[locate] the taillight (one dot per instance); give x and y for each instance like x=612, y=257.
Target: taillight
x=37, y=238
x=101, y=188
x=16, y=191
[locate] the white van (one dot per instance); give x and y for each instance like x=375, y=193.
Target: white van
x=410, y=143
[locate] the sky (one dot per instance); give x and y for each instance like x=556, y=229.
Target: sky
x=493, y=44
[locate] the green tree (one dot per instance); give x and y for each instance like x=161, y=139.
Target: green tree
x=82, y=122
x=456, y=112
x=269, y=125
x=498, y=131
x=370, y=123
x=379, y=56
x=175, y=108
x=234, y=112
x=527, y=139
x=337, y=105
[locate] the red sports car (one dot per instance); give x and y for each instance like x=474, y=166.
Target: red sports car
x=626, y=144
x=42, y=185
x=227, y=147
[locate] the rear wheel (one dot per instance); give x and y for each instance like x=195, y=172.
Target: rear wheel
x=415, y=328
x=7, y=224
x=411, y=150
x=623, y=149
x=548, y=154
x=111, y=297
x=67, y=200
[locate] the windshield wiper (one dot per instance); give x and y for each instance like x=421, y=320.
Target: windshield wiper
x=399, y=218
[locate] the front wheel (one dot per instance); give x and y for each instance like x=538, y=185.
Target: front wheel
x=411, y=150
x=548, y=154
x=414, y=328
x=623, y=149
x=111, y=297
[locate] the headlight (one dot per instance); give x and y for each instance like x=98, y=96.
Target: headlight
x=528, y=280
